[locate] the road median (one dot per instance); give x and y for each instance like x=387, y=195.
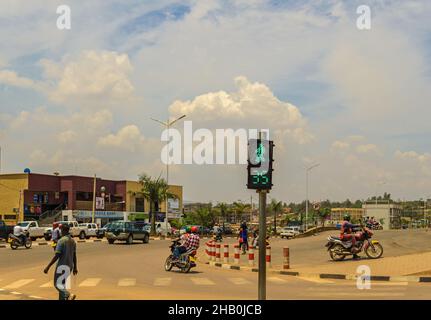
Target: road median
x=397, y=269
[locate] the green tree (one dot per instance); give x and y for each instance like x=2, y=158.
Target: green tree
x=324, y=213
x=154, y=191
x=240, y=208
x=223, y=210
x=275, y=207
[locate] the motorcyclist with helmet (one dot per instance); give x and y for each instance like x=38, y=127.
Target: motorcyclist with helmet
x=348, y=234
x=191, y=241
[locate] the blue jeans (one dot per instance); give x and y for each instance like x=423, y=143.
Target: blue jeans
x=178, y=251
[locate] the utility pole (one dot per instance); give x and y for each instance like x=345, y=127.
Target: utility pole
x=168, y=125
x=94, y=199
x=251, y=209
x=306, y=192
x=262, y=245
x=259, y=178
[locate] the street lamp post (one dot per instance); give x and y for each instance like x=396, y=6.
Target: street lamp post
x=168, y=125
x=306, y=192
x=377, y=186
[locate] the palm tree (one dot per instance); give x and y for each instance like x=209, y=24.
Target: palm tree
x=275, y=207
x=154, y=191
x=324, y=213
x=239, y=208
x=223, y=211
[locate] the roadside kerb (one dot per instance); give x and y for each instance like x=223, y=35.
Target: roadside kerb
x=334, y=276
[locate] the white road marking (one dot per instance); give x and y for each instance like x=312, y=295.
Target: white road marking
x=276, y=280
x=315, y=280
x=239, y=281
x=374, y=283
x=35, y=297
x=162, y=282
x=16, y=293
x=47, y=285
x=202, y=281
x=127, y=282
x=90, y=282
x=19, y=284
x=356, y=294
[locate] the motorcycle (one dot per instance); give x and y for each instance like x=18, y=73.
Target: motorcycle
x=339, y=249
x=218, y=237
x=186, y=261
x=376, y=226
x=15, y=242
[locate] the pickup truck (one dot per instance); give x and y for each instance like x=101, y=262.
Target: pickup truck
x=76, y=230
x=5, y=230
x=33, y=229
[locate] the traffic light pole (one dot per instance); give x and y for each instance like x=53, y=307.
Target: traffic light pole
x=262, y=245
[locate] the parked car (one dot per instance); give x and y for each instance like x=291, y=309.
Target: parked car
x=289, y=232
x=127, y=231
x=101, y=232
x=5, y=230
x=33, y=229
x=91, y=229
x=160, y=228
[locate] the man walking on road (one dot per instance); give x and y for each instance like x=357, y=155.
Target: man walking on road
x=65, y=253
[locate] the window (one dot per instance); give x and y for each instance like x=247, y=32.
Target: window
x=140, y=205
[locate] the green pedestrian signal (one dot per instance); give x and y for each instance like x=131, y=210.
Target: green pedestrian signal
x=259, y=168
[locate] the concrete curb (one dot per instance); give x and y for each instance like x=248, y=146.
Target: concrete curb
x=334, y=276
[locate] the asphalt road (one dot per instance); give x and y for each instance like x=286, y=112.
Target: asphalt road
x=311, y=250
x=136, y=271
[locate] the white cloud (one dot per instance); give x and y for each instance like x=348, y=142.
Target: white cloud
x=100, y=75
x=67, y=136
x=11, y=78
x=367, y=148
x=253, y=104
x=421, y=158
x=128, y=137
x=340, y=145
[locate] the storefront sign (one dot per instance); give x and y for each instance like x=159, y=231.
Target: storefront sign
x=80, y=214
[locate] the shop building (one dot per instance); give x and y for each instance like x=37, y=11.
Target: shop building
x=33, y=196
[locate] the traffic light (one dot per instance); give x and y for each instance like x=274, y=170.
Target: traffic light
x=259, y=168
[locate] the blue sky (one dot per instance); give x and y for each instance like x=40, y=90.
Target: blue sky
x=73, y=100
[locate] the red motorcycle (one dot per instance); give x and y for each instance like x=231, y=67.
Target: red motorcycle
x=339, y=249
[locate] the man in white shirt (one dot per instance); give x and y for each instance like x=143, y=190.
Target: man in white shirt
x=18, y=231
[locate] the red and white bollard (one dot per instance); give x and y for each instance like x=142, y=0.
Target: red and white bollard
x=207, y=250
x=251, y=256
x=268, y=257
x=213, y=251
x=286, y=262
x=236, y=255
x=226, y=253
x=217, y=252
